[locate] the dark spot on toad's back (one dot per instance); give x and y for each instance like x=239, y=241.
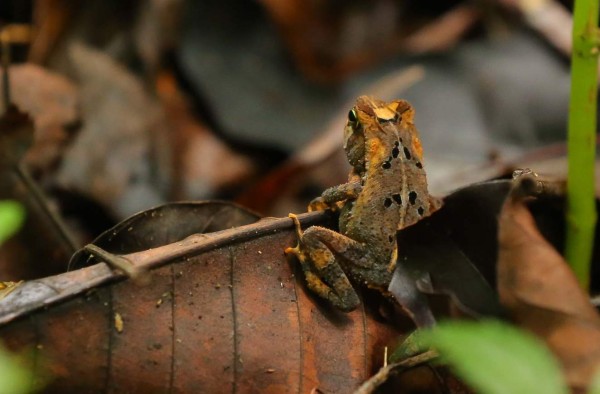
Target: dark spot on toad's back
x=398, y=198
x=395, y=152
x=420, y=211
x=419, y=165
x=412, y=197
x=407, y=153
x=387, y=202
x=386, y=165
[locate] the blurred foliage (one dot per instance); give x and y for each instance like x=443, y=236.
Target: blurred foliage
x=12, y=216
x=595, y=385
x=494, y=357
x=14, y=378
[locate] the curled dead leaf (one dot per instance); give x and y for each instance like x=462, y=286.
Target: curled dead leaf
x=541, y=294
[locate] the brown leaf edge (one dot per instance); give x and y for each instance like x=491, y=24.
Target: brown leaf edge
x=40, y=293
x=166, y=224
x=540, y=291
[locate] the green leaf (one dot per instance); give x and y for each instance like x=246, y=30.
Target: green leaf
x=595, y=385
x=12, y=216
x=14, y=378
x=494, y=357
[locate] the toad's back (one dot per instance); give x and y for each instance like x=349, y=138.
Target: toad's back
x=394, y=193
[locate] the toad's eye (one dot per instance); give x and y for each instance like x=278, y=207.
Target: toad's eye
x=352, y=116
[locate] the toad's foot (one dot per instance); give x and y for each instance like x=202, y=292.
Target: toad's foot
x=324, y=275
x=295, y=250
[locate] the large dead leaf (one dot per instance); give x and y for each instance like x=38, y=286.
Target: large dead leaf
x=541, y=294
x=224, y=312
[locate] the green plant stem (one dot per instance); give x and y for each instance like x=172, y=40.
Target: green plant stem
x=581, y=209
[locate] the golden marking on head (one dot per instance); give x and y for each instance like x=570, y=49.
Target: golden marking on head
x=384, y=113
x=393, y=106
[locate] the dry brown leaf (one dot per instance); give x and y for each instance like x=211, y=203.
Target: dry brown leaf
x=50, y=19
x=52, y=102
x=232, y=317
x=542, y=294
x=120, y=157
x=330, y=42
x=202, y=163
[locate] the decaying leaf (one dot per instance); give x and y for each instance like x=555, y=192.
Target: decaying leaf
x=223, y=311
x=542, y=295
x=203, y=165
x=52, y=102
x=311, y=32
x=120, y=156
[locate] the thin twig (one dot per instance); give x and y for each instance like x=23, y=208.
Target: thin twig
x=113, y=260
x=56, y=220
x=5, y=64
x=134, y=263
x=371, y=385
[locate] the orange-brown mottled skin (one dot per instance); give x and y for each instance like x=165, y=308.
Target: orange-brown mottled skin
x=386, y=192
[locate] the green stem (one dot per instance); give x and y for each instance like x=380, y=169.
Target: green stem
x=581, y=209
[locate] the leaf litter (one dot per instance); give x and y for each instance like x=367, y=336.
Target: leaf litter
x=541, y=294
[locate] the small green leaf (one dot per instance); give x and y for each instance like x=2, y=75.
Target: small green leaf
x=494, y=357
x=12, y=216
x=595, y=385
x=14, y=378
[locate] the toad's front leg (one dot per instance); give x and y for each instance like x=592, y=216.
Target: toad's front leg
x=320, y=252
x=333, y=195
